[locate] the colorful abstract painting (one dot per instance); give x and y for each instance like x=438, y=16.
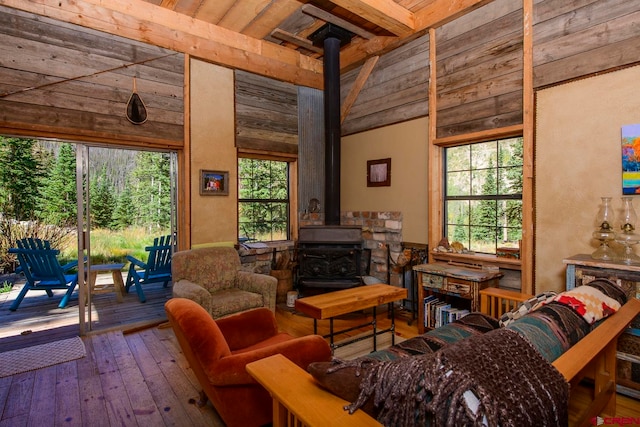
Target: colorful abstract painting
x=631, y=159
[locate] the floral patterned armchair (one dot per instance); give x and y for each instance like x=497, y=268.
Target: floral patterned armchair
x=212, y=278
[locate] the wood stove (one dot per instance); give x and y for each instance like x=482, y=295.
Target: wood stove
x=330, y=258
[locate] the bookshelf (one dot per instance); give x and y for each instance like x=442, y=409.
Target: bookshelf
x=446, y=291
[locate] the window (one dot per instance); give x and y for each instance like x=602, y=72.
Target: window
x=483, y=194
x=263, y=200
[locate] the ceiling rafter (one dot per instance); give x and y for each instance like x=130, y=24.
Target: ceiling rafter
x=298, y=41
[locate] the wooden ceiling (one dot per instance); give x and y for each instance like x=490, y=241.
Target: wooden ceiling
x=267, y=37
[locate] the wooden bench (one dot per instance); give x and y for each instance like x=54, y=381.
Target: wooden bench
x=299, y=401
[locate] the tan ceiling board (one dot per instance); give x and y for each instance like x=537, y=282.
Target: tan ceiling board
x=187, y=7
x=213, y=11
x=242, y=13
x=384, y=13
x=271, y=18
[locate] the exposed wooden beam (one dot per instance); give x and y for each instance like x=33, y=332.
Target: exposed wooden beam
x=152, y=24
x=363, y=75
x=435, y=154
x=528, y=120
x=298, y=41
x=325, y=16
x=384, y=13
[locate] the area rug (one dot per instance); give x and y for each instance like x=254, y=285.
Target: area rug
x=364, y=346
x=40, y=356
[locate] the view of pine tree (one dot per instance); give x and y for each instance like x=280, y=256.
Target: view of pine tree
x=58, y=191
x=151, y=190
x=263, y=199
x=102, y=201
x=484, y=212
x=38, y=182
x=484, y=194
x=512, y=155
x=20, y=178
x=124, y=211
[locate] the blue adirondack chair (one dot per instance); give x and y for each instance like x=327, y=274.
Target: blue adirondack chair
x=42, y=270
x=156, y=269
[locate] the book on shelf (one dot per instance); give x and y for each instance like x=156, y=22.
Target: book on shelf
x=439, y=313
x=426, y=304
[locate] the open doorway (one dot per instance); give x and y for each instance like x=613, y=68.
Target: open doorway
x=120, y=200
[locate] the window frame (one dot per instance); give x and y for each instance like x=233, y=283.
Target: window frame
x=291, y=162
x=471, y=197
x=472, y=169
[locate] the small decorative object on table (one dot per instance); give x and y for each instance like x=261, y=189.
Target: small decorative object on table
x=628, y=237
x=604, y=233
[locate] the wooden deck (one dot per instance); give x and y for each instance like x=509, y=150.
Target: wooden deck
x=38, y=319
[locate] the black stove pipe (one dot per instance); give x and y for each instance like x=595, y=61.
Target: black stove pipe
x=332, y=130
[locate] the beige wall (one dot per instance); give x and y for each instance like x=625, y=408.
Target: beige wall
x=406, y=145
x=578, y=160
x=213, y=218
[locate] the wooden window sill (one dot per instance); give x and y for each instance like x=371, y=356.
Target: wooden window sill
x=477, y=260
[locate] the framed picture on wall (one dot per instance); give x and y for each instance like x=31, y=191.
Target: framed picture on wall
x=379, y=173
x=214, y=183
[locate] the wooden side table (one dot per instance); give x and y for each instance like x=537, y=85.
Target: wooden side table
x=460, y=286
x=116, y=274
x=582, y=269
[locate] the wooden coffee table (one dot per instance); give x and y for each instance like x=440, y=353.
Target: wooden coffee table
x=332, y=304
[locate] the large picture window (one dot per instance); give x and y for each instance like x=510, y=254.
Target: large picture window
x=263, y=200
x=483, y=194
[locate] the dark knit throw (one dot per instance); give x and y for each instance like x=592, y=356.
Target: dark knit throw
x=512, y=383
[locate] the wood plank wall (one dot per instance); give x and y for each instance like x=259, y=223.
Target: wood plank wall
x=62, y=80
x=266, y=114
x=396, y=90
x=479, y=63
x=479, y=70
x=582, y=37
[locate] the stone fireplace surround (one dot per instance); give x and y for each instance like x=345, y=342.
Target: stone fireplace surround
x=381, y=233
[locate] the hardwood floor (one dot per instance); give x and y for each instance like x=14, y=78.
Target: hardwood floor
x=140, y=377
x=137, y=379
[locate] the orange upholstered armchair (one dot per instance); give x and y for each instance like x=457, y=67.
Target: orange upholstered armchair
x=219, y=350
